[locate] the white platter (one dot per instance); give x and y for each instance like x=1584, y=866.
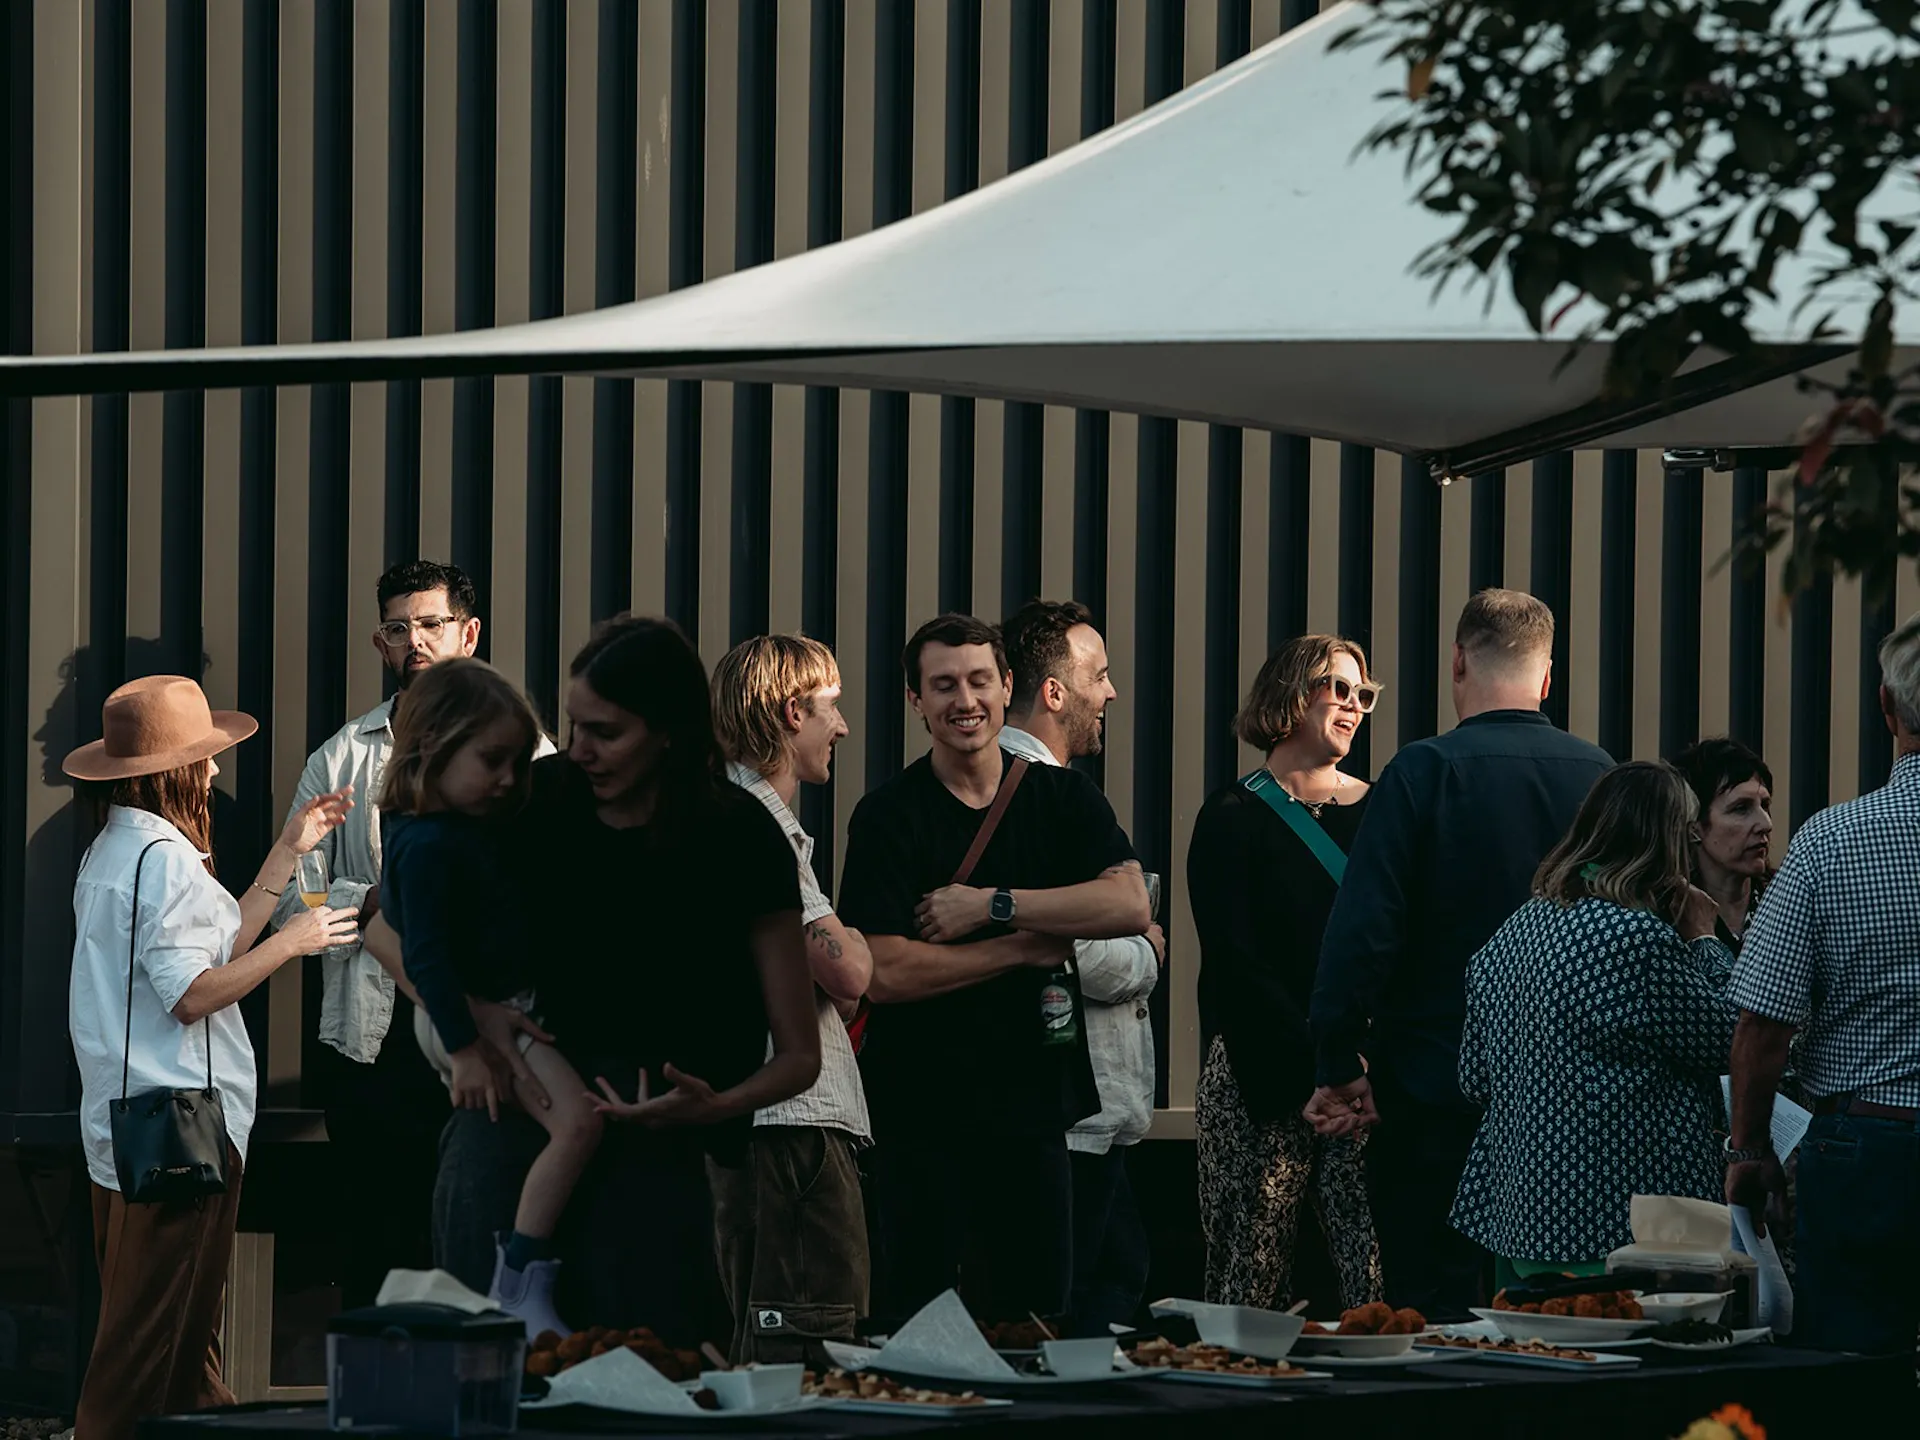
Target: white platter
x=1243, y=1382
x=1572, y=1330
x=908, y=1407
x=1740, y=1337
x=1387, y=1362
x=694, y=1413
x=1354, y=1347
x=862, y=1357
x=1602, y=1359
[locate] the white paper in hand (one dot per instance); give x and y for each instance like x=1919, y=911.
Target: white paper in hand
x=1776, y=1293
x=617, y=1380
x=430, y=1287
x=1790, y=1121
x=943, y=1342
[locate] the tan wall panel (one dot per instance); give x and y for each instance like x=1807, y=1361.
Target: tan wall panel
x=850, y=759
x=1583, y=637
x=923, y=523
x=1716, y=604
x=1130, y=59
x=1843, y=738
x=1123, y=528
x=1056, y=502
x=1648, y=526
x=146, y=329
x=1189, y=754
x=989, y=505
x=1256, y=510
x=440, y=107
x=367, y=404
x=716, y=449
x=657, y=155
x=1456, y=573
x=1518, y=560
x=793, y=77
x=1063, y=74
x=1266, y=22
x=856, y=132
x=220, y=574
x=576, y=395
x=1385, y=652
x=1203, y=44
x=1323, y=558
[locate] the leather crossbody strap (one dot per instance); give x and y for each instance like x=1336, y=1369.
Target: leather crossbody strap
x=133, y=934
x=1002, y=798
x=1330, y=855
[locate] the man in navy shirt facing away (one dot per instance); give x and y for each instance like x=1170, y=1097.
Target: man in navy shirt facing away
x=1454, y=831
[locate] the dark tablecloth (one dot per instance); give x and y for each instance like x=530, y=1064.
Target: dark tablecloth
x=1792, y=1392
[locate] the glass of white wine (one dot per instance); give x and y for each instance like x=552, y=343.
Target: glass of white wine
x=311, y=876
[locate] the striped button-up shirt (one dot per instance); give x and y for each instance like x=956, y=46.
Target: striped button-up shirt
x=836, y=1101
x=1834, y=947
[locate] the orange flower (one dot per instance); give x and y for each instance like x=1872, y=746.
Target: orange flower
x=1740, y=1419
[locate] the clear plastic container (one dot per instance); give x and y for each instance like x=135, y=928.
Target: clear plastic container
x=1697, y=1272
x=429, y=1369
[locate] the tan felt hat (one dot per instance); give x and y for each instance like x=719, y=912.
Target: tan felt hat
x=155, y=725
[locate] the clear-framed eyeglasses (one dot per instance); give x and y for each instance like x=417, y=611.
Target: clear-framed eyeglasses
x=396, y=633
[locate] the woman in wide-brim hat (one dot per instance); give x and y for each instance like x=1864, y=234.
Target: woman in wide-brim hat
x=159, y=1018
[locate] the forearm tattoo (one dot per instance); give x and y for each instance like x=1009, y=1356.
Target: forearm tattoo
x=820, y=935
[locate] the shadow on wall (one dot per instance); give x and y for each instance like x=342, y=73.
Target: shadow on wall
x=47, y=1079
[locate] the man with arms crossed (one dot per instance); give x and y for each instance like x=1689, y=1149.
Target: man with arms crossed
x=790, y=1226
x=1061, y=689
x=972, y=1090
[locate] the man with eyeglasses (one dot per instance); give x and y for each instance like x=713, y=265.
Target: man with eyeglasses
x=385, y=1108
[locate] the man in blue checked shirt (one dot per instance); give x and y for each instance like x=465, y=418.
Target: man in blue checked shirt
x=1834, y=952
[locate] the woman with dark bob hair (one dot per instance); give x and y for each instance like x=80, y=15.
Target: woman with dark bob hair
x=1595, y=1036
x=1733, y=840
x=667, y=911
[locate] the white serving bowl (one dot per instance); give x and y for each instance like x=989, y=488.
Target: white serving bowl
x=1564, y=1329
x=754, y=1387
x=1355, y=1347
x=1669, y=1308
x=1080, y=1359
x=1263, y=1334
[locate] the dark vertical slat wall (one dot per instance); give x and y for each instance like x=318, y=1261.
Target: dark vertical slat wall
x=1552, y=581
x=686, y=264
x=1680, y=609
x=546, y=297
x=1810, y=684
x=1418, y=636
x=752, y=510
x=1613, y=686
x=1747, y=619
x=105, y=664
x=887, y=413
x=330, y=432
x=1356, y=573
x=406, y=152
x=16, y=521
x=1092, y=429
x=1487, y=549
x=259, y=410
x=476, y=102
x=183, y=426
x=1875, y=758
x=820, y=442
x=1023, y=472
x=615, y=197
x=957, y=412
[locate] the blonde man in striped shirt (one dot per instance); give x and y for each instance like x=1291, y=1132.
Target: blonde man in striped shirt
x=792, y=1248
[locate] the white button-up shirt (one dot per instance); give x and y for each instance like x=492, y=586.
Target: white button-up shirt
x=1116, y=977
x=186, y=925
x=836, y=1101
x=356, y=994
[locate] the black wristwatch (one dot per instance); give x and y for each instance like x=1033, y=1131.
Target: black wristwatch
x=1000, y=908
x=1736, y=1156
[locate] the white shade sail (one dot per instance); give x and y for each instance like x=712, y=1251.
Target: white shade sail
x=1231, y=254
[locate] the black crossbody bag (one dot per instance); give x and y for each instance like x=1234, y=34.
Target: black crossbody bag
x=169, y=1146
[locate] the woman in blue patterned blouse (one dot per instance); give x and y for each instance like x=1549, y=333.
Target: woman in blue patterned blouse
x=1596, y=1034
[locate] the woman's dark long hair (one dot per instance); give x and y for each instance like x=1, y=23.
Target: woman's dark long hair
x=181, y=796
x=649, y=668
x=1628, y=844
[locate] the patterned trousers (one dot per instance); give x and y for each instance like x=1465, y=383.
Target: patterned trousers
x=1254, y=1177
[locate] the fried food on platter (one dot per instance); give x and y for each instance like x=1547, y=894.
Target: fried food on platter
x=1163, y=1354
x=1511, y=1347
x=839, y=1385
x=1376, y=1318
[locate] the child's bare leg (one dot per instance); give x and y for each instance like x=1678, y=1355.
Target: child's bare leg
x=573, y=1128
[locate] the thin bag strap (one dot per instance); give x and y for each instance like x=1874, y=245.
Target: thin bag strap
x=133, y=935
x=1002, y=798
x=1330, y=855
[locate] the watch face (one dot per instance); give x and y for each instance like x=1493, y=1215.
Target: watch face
x=1000, y=908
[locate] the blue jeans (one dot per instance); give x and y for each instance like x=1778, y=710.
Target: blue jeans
x=1857, y=1235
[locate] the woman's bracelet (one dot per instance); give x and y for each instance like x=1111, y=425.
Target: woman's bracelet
x=276, y=894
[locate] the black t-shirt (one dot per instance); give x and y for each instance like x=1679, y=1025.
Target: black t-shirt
x=643, y=936
x=973, y=1059
x=1260, y=904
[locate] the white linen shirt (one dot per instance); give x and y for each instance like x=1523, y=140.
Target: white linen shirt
x=1116, y=977
x=837, y=1100
x=187, y=925
x=356, y=994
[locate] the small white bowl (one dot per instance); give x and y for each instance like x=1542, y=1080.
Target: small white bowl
x=1670, y=1308
x=1263, y=1334
x=1080, y=1359
x=754, y=1387
x=1355, y=1347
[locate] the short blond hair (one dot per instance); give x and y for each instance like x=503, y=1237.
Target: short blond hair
x=1282, y=692
x=437, y=714
x=751, y=687
x=1503, y=628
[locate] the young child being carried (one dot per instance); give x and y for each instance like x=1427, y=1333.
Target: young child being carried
x=463, y=744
